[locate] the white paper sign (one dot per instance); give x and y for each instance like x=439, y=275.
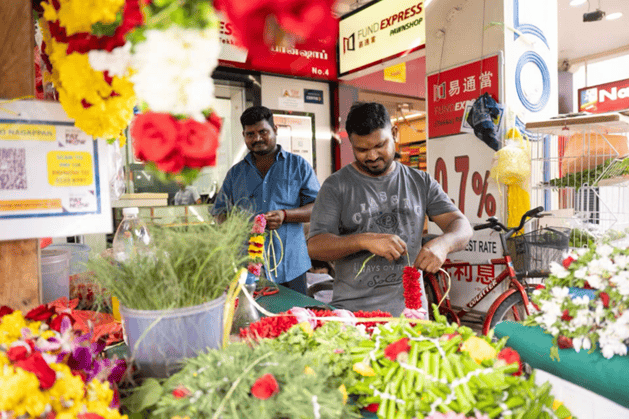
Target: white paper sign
x=53, y=176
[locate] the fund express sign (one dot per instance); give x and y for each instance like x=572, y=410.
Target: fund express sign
x=380, y=32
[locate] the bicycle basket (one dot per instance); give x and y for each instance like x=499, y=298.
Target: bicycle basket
x=532, y=252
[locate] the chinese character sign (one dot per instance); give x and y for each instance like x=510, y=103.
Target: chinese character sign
x=449, y=90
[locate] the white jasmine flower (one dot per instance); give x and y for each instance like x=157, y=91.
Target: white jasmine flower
x=602, y=265
x=560, y=293
x=581, y=273
x=581, y=251
x=595, y=281
x=604, y=250
x=582, y=318
x=582, y=301
x=174, y=70
x=576, y=343
x=587, y=344
x=116, y=62
x=621, y=261
x=558, y=270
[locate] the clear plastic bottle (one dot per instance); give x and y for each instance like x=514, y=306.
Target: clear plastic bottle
x=132, y=237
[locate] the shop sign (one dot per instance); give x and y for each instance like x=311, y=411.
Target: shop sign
x=606, y=97
x=395, y=73
x=449, y=90
x=379, y=32
x=313, y=96
x=312, y=59
x=53, y=177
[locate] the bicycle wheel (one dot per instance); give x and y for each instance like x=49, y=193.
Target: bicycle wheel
x=512, y=308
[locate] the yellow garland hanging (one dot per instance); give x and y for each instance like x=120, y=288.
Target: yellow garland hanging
x=79, y=15
x=78, y=83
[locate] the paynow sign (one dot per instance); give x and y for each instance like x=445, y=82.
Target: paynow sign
x=379, y=32
x=449, y=90
x=606, y=97
x=312, y=59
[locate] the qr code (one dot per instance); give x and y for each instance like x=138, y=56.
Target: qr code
x=12, y=168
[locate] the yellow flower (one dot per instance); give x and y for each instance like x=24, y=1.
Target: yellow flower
x=343, y=391
x=79, y=15
x=12, y=325
x=179, y=417
x=307, y=328
x=364, y=369
x=257, y=239
x=308, y=371
x=478, y=349
x=17, y=386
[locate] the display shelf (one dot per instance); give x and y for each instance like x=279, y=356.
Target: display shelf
x=610, y=122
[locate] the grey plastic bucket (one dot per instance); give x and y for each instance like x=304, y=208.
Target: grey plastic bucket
x=79, y=255
x=170, y=336
x=55, y=274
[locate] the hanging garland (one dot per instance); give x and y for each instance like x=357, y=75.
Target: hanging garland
x=100, y=98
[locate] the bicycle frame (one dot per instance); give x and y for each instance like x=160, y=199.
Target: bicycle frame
x=507, y=273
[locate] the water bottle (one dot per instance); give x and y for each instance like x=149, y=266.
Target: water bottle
x=132, y=237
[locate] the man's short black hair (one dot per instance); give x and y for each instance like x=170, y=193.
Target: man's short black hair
x=366, y=117
x=255, y=114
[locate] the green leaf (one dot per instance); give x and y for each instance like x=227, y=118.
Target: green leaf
x=145, y=396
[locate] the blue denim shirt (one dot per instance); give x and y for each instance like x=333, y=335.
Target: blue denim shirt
x=290, y=183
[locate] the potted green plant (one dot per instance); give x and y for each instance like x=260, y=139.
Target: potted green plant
x=172, y=301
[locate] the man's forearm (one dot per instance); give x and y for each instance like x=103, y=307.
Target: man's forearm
x=457, y=234
x=328, y=247
x=299, y=215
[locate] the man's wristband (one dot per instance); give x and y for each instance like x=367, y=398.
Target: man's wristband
x=285, y=216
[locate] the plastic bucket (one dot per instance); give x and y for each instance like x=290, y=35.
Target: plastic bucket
x=164, y=338
x=55, y=274
x=79, y=255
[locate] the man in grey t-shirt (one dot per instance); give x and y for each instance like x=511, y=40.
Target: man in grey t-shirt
x=377, y=206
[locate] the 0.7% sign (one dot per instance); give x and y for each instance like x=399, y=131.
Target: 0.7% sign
x=487, y=202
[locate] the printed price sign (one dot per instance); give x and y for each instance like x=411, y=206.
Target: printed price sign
x=50, y=168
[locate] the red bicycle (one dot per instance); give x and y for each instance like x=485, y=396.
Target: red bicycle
x=513, y=304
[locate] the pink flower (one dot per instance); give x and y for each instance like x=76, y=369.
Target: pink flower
x=304, y=315
x=259, y=224
x=255, y=268
x=419, y=313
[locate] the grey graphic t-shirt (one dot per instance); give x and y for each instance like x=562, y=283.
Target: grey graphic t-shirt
x=350, y=202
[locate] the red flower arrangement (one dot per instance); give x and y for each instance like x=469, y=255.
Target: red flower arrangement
x=412, y=288
x=302, y=19
x=173, y=144
x=265, y=387
x=272, y=327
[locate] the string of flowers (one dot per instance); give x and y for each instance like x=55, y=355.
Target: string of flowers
x=413, y=294
x=48, y=371
x=585, y=301
x=174, y=55
x=256, y=245
x=86, y=53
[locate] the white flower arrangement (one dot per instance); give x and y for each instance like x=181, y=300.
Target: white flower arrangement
x=599, y=316
x=173, y=70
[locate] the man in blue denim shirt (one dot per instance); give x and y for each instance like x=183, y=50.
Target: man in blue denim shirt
x=278, y=184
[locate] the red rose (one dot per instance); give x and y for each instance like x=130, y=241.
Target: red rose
x=373, y=407
x=564, y=342
x=180, y=392
x=198, y=142
x=41, y=313
x=38, y=366
x=395, y=348
x=566, y=316
x=172, y=164
x=605, y=299
x=567, y=262
x=18, y=353
x=55, y=324
x=4, y=310
x=154, y=136
x=511, y=356
x=265, y=387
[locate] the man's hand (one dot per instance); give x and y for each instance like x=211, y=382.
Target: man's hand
x=274, y=219
x=389, y=246
x=431, y=256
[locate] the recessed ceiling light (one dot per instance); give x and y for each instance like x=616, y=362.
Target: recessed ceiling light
x=577, y=2
x=614, y=16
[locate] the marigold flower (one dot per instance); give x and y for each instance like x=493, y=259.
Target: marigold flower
x=363, y=369
x=478, y=349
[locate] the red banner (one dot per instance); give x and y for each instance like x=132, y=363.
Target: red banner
x=449, y=90
x=606, y=97
x=312, y=59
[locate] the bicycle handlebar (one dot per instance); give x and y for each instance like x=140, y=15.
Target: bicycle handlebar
x=496, y=225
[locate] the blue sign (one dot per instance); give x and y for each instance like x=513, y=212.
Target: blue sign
x=313, y=96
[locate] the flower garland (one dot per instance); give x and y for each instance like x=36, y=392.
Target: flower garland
x=174, y=56
x=413, y=294
x=256, y=245
x=48, y=371
x=96, y=93
x=585, y=301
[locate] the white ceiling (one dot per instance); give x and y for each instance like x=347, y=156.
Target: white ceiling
x=577, y=39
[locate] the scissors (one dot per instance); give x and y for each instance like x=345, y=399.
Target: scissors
x=264, y=292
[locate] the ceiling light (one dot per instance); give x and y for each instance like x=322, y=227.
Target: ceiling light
x=577, y=2
x=594, y=16
x=614, y=16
